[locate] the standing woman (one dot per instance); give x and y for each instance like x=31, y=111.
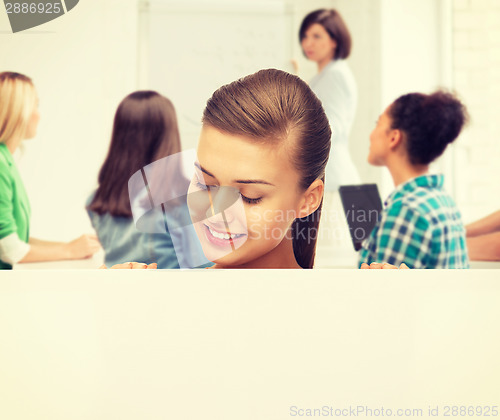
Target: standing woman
x=420, y=225
x=19, y=118
x=325, y=39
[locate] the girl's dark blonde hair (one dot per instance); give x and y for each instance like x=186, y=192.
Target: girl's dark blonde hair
x=272, y=106
x=18, y=100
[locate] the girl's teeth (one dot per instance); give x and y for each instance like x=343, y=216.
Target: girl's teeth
x=219, y=235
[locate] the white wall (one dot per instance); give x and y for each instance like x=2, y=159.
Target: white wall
x=363, y=18
x=82, y=64
x=409, y=47
x=410, y=52
x=193, y=47
x=476, y=65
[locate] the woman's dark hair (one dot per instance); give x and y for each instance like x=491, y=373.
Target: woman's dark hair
x=144, y=130
x=273, y=106
x=333, y=23
x=428, y=122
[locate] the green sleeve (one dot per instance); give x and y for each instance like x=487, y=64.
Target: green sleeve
x=7, y=221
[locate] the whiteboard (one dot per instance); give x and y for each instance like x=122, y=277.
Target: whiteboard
x=189, y=49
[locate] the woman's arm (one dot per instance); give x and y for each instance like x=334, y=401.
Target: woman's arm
x=488, y=224
x=83, y=247
x=484, y=247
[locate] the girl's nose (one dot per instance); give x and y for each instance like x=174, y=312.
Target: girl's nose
x=221, y=200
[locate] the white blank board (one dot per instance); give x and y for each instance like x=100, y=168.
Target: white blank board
x=190, y=49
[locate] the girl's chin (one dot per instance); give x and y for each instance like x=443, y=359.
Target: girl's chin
x=234, y=259
x=228, y=261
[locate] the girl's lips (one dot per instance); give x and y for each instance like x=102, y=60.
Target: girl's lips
x=221, y=242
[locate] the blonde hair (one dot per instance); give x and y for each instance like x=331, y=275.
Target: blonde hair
x=17, y=102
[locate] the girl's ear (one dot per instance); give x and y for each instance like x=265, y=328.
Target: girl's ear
x=311, y=199
x=396, y=138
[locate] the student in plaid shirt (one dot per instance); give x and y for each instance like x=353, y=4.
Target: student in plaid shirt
x=420, y=225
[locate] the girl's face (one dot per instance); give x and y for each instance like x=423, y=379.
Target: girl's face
x=263, y=177
x=317, y=44
x=380, y=140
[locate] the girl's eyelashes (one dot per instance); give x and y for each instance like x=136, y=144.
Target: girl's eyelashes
x=244, y=198
x=250, y=200
x=202, y=186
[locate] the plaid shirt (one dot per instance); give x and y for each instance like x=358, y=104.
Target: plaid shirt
x=420, y=226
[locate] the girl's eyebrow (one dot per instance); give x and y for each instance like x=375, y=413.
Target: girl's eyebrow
x=203, y=170
x=253, y=181
x=238, y=181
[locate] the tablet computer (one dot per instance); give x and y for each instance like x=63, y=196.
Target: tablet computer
x=362, y=208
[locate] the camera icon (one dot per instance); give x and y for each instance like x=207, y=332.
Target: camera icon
x=206, y=223
x=26, y=14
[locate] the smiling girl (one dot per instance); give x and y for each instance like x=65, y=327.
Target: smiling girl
x=255, y=198
x=262, y=152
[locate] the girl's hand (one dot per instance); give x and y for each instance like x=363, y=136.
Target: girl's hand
x=386, y=266
x=132, y=266
x=83, y=247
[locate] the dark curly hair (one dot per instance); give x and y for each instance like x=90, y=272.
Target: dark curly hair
x=429, y=123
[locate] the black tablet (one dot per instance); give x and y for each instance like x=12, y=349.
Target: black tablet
x=362, y=208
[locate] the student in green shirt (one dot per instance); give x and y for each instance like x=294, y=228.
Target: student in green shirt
x=19, y=118
x=420, y=225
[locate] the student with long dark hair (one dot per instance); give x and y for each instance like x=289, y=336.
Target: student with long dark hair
x=144, y=130
x=420, y=225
